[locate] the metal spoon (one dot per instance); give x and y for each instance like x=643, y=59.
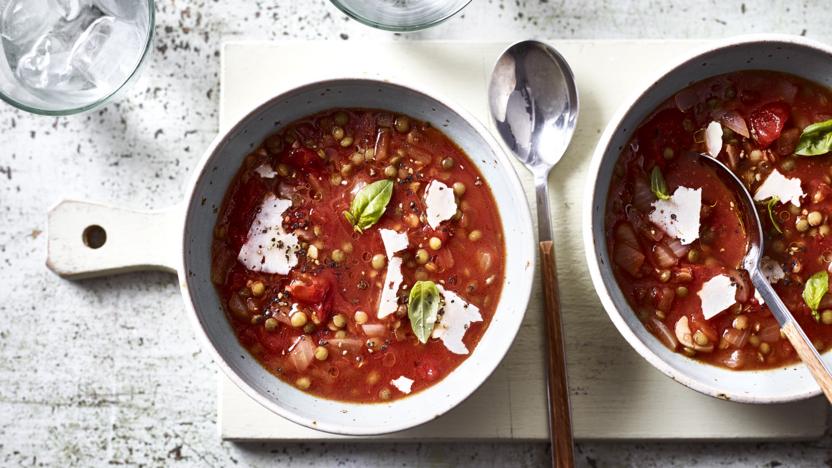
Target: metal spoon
x=534, y=104
x=751, y=263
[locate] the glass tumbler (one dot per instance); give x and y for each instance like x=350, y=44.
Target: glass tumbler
x=61, y=57
x=401, y=15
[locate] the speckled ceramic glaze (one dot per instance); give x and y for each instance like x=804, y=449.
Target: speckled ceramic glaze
x=790, y=54
x=212, y=178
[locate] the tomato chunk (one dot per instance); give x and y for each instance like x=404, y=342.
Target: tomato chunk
x=302, y=157
x=767, y=123
x=315, y=291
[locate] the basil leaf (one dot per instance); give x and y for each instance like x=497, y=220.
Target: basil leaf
x=369, y=204
x=423, y=308
x=815, y=140
x=813, y=291
x=770, y=205
x=658, y=185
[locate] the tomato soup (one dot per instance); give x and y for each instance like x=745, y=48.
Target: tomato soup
x=359, y=255
x=677, y=240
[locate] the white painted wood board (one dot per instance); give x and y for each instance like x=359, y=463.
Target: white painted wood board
x=615, y=393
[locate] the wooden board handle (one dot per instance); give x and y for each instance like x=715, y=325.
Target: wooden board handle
x=810, y=357
x=560, y=414
x=87, y=240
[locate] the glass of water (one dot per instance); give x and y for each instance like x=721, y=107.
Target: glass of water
x=401, y=15
x=61, y=57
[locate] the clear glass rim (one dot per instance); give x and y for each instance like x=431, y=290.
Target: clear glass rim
x=151, y=32
x=388, y=27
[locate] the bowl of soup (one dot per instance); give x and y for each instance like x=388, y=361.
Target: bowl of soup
x=358, y=254
x=664, y=240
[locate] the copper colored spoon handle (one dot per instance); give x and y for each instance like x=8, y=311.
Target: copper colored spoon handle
x=560, y=416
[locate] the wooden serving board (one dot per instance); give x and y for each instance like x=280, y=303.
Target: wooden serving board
x=615, y=393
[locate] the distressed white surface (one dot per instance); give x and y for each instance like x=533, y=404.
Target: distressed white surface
x=108, y=372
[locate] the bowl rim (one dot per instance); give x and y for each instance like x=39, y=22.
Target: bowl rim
x=592, y=254
x=148, y=48
x=520, y=295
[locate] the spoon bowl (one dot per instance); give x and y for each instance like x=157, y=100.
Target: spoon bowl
x=534, y=103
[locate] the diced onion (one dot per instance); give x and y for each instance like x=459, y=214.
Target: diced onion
x=374, y=329
x=685, y=99
x=679, y=249
x=663, y=333
x=735, y=360
x=664, y=298
x=628, y=258
x=736, y=123
x=709, y=348
x=624, y=233
x=302, y=353
x=664, y=255
x=643, y=197
x=769, y=332
x=238, y=306
x=352, y=345
x=733, y=338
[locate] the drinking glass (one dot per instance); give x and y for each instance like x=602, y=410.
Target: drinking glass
x=61, y=57
x=401, y=15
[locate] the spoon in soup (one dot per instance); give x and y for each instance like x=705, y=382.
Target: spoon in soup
x=534, y=103
x=751, y=263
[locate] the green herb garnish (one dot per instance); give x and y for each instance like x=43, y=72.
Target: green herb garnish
x=369, y=204
x=658, y=185
x=423, y=308
x=813, y=291
x=815, y=140
x=770, y=203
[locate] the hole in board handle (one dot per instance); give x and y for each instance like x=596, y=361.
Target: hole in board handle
x=94, y=236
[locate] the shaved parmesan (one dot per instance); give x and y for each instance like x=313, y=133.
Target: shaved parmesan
x=784, y=188
x=773, y=273
x=393, y=241
x=389, y=301
x=717, y=294
x=269, y=248
x=265, y=171
x=403, y=384
x=457, y=316
x=440, y=202
x=679, y=216
x=713, y=138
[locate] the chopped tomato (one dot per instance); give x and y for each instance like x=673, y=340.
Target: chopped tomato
x=767, y=123
x=315, y=291
x=302, y=158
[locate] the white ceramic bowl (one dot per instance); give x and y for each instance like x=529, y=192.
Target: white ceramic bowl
x=211, y=180
x=180, y=240
x=790, y=54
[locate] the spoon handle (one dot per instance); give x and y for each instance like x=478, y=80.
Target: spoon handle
x=798, y=339
x=806, y=350
x=560, y=414
x=560, y=417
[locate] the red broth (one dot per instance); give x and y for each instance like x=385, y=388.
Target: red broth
x=317, y=326
x=762, y=116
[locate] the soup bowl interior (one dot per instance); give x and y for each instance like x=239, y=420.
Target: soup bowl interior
x=793, y=55
x=213, y=178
